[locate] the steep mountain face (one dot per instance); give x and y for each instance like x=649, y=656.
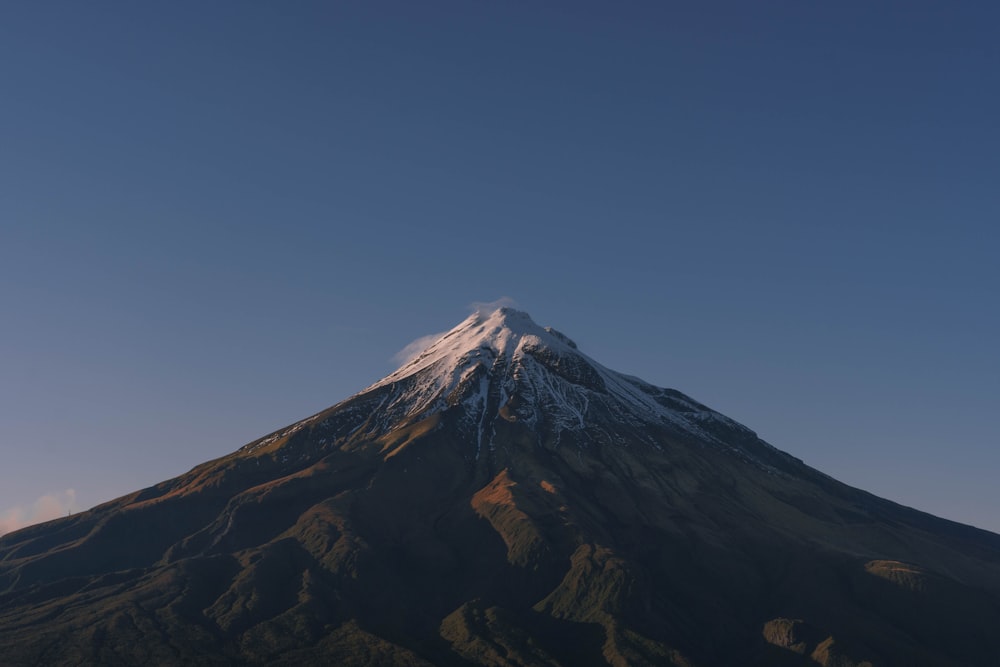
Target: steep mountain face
x=502, y=499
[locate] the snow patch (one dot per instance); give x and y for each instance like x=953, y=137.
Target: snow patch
x=554, y=381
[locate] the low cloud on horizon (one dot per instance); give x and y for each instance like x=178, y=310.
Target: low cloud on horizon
x=50, y=506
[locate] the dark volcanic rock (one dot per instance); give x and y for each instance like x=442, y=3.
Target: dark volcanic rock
x=502, y=500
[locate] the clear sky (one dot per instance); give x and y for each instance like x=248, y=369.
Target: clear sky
x=217, y=218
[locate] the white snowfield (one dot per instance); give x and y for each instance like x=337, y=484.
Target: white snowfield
x=542, y=368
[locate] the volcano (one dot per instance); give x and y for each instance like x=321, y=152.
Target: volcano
x=502, y=499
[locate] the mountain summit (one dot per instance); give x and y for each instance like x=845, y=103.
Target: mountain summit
x=502, y=499
x=503, y=366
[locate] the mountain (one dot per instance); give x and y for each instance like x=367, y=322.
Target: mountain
x=502, y=499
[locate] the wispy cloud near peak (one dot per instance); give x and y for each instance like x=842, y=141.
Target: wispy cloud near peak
x=487, y=307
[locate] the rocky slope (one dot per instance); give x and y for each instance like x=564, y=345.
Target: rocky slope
x=502, y=499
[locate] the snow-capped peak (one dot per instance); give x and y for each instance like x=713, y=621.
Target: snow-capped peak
x=502, y=364
x=502, y=332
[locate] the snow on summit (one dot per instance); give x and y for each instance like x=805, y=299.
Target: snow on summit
x=501, y=331
x=501, y=364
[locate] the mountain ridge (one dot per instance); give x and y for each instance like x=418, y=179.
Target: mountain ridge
x=527, y=357
x=502, y=499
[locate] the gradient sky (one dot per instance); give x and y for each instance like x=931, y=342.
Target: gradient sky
x=219, y=218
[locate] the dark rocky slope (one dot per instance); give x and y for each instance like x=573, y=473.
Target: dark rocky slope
x=502, y=500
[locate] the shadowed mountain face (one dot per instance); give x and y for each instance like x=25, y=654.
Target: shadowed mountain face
x=502, y=499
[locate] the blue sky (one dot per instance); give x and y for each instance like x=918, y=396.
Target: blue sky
x=218, y=218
